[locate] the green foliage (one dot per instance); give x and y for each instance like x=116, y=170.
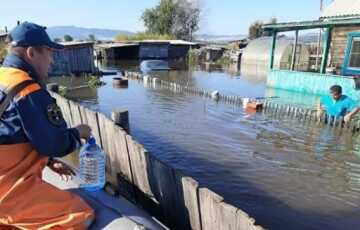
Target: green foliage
x=256, y=29
x=144, y=36
x=224, y=61
x=68, y=38
x=178, y=17
x=63, y=90
x=160, y=19
x=192, y=57
x=3, y=51
x=95, y=82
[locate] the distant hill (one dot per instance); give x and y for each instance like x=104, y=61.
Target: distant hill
x=218, y=38
x=80, y=33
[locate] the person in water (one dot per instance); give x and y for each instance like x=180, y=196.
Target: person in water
x=338, y=105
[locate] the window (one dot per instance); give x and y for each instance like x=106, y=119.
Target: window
x=355, y=53
x=351, y=65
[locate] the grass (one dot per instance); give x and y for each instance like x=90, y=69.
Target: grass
x=192, y=57
x=224, y=61
x=144, y=36
x=63, y=90
x=95, y=82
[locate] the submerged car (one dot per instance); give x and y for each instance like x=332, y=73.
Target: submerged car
x=154, y=65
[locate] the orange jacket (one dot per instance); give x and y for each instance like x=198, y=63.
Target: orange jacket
x=26, y=201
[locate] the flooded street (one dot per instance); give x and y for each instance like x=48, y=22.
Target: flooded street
x=284, y=173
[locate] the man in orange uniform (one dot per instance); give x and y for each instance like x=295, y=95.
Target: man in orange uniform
x=32, y=133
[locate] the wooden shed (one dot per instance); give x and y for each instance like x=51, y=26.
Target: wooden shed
x=147, y=49
x=77, y=58
x=165, y=49
x=117, y=51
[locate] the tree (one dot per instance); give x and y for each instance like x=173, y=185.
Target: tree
x=256, y=30
x=187, y=20
x=92, y=37
x=68, y=38
x=178, y=17
x=57, y=39
x=159, y=20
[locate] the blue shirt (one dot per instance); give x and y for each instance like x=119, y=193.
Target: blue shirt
x=27, y=120
x=340, y=107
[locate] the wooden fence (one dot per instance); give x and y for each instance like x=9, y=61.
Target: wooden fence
x=237, y=100
x=166, y=193
x=310, y=115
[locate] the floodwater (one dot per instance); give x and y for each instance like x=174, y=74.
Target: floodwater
x=284, y=173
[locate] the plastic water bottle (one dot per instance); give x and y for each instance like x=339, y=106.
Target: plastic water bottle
x=92, y=166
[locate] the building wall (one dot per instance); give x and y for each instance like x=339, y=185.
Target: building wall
x=338, y=46
x=156, y=51
x=312, y=83
x=73, y=60
x=119, y=53
x=178, y=51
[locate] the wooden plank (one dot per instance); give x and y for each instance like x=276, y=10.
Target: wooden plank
x=139, y=165
x=215, y=214
x=163, y=185
x=209, y=202
x=190, y=189
x=106, y=127
x=65, y=108
x=122, y=154
x=90, y=118
x=75, y=113
x=114, y=144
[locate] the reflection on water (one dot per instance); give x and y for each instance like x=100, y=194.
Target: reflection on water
x=286, y=174
x=77, y=88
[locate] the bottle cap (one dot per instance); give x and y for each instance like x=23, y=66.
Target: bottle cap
x=91, y=140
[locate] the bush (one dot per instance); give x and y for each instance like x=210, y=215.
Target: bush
x=144, y=36
x=95, y=82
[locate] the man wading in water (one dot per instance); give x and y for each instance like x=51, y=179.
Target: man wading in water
x=338, y=105
x=32, y=132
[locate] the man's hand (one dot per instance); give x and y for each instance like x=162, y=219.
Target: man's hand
x=84, y=130
x=348, y=117
x=62, y=169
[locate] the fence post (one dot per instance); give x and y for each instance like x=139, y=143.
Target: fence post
x=121, y=118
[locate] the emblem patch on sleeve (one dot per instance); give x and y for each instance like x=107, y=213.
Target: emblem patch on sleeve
x=54, y=115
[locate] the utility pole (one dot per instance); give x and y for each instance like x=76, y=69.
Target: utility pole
x=320, y=38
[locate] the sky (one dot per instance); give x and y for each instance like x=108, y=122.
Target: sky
x=226, y=17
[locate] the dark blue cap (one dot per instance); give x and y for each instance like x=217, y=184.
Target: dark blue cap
x=29, y=34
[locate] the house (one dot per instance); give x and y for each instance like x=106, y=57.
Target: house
x=340, y=63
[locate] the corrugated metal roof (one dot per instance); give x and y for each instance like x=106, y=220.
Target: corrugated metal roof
x=291, y=26
x=172, y=42
x=342, y=8
x=115, y=45
x=77, y=43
